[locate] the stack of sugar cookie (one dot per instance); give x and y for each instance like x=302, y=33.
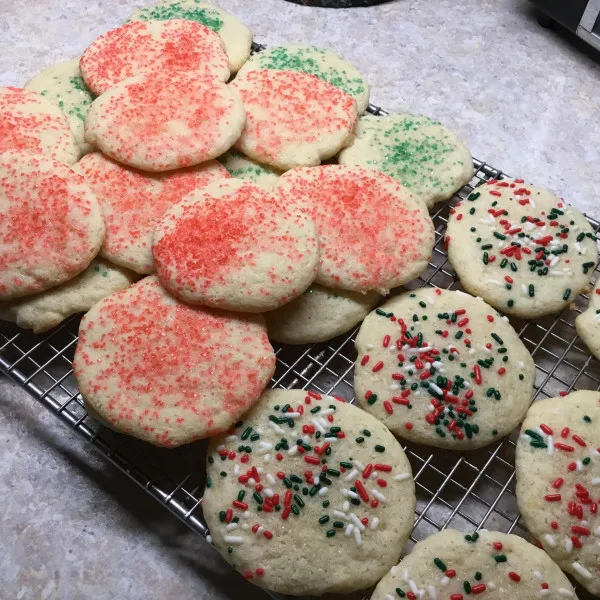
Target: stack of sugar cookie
x=197, y=202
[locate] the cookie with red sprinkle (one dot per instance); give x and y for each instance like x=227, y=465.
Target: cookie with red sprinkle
x=233, y=245
x=558, y=482
x=429, y=159
x=165, y=121
x=450, y=565
x=522, y=249
x=293, y=119
x=133, y=201
x=587, y=323
x=153, y=46
x=442, y=368
x=374, y=233
x=31, y=123
x=237, y=38
x=318, y=315
x=308, y=495
x=51, y=225
x=322, y=63
x=166, y=372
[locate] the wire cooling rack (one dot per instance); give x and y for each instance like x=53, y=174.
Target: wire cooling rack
x=464, y=491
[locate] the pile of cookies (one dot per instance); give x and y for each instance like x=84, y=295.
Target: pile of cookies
x=197, y=202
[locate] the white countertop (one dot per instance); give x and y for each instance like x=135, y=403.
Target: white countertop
x=524, y=99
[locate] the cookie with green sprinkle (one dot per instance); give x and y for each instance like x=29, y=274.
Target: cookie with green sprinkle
x=236, y=37
x=242, y=167
x=588, y=323
x=450, y=565
x=558, y=477
x=44, y=311
x=62, y=84
x=307, y=495
x=318, y=315
x=443, y=368
x=429, y=159
x=522, y=249
x=325, y=64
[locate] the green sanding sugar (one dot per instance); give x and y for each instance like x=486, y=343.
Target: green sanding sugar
x=411, y=151
x=79, y=84
x=242, y=167
x=71, y=94
x=182, y=10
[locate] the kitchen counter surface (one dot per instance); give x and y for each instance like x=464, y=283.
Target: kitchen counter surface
x=524, y=98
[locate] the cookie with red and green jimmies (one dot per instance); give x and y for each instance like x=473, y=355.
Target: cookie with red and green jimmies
x=442, y=368
x=452, y=565
x=521, y=248
x=558, y=481
x=308, y=495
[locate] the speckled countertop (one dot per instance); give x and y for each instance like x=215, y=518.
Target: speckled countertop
x=525, y=99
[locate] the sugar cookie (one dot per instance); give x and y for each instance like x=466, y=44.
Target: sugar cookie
x=522, y=249
x=166, y=372
x=232, y=245
x=308, y=495
x=318, y=315
x=373, y=233
x=293, y=119
x=442, y=368
x=450, y=565
x=165, y=121
x=587, y=323
x=142, y=47
x=51, y=226
x=558, y=473
x=31, y=123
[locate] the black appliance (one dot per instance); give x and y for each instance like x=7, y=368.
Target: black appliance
x=579, y=16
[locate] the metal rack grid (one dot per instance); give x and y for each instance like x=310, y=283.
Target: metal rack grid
x=464, y=491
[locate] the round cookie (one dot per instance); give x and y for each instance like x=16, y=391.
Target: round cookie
x=324, y=64
x=308, y=495
x=51, y=225
x=142, y=47
x=165, y=121
x=232, y=245
x=442, y=368
x=373, y=233
x=242, y=167
x=31, y=123
x=417, y=151
x=46, y=310
x=558, y=474
x=63, y=84
x=587, y=323
x=169, y=373
x=236, y=37
x=522, y=249
x=133, y=201
x=455, y=566
x=318, y=315
x=293, y=119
